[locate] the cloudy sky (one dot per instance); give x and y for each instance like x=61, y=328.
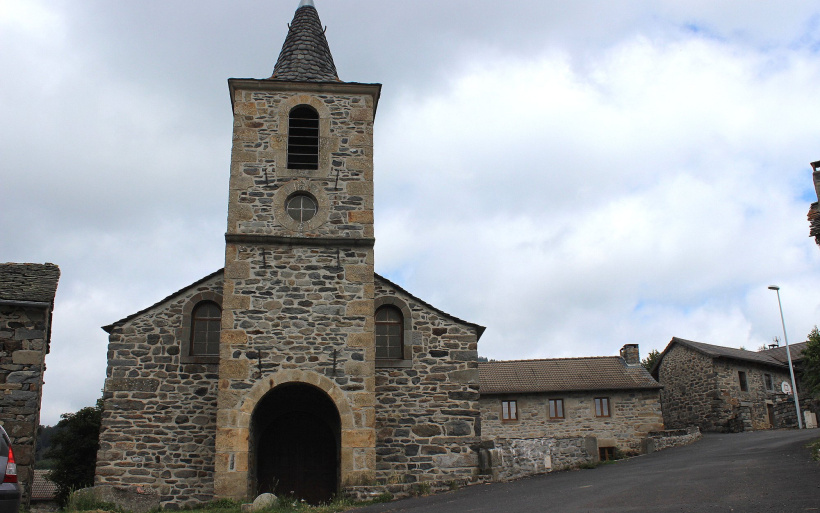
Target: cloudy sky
x=572, y=175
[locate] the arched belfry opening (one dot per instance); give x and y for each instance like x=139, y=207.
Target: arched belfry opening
x=296, y=440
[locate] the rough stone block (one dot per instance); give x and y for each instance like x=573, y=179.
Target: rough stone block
x=23, y=357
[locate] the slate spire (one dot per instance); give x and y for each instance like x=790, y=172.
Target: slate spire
x=305, y=56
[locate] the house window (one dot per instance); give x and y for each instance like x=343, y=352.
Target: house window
x=767, y=380
x=602, y=407
x=389, y=333
x=509, y=410
x=303, y=138
x=556, y=408
x=744, y=385
x=206, y=321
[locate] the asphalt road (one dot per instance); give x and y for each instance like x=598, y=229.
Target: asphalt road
x=757, y=472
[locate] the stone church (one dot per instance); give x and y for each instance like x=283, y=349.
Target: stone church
x=295, y=369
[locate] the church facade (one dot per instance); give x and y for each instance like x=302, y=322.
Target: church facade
x=295, y=369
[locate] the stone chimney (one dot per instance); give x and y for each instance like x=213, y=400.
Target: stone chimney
x=631, y=354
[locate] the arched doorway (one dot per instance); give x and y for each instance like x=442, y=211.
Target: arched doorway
x=296, y=436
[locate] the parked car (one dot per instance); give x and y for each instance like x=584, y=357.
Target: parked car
x=9, y=487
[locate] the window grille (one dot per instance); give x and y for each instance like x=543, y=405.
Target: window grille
x=303, y=138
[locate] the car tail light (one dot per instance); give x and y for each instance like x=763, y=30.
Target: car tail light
x=11, y=469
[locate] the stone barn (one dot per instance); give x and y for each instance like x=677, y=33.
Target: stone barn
x=295, y=369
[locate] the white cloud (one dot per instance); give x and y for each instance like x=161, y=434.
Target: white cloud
x=574, y=176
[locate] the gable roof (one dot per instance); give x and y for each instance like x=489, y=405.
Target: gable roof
x=563, y=375
x=305, y=55
x=169, y=297
x=28, y=283
x=714, y=352
x=779, y=353
x=479, y=329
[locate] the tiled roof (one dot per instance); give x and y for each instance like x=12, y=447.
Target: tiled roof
x=727, y=352
x=305, y=56
x=563, y=375
x=28, y=282
x=779, y=353
x=42, y=488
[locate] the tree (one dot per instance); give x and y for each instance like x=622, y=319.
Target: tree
x=74, y=450
x=651, y=359
x=810, y=365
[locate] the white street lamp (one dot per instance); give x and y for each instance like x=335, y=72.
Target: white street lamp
x=789, y=356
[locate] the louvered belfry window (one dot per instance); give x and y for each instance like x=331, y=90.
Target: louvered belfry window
x=303, y=138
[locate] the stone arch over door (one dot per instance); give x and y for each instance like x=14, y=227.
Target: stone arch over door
x=295, y=444
x=233, y=477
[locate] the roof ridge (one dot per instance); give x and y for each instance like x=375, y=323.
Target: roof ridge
x=554, y=359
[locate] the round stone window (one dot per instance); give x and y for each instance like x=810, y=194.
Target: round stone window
x=301, y=207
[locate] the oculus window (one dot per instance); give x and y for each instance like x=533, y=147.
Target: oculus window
x=389, y=333
x=206, y=321
x=301, y=207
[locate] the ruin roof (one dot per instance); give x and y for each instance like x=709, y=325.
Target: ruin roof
x=563, y=375
x=305, y=55
x=34, y=283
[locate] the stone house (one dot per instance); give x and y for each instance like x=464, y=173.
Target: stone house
x=296, y=369
x=724, y=389
x=596, y=404
x=26, y=305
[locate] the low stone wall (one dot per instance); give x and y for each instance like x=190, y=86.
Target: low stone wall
x=506, y=459
x=570, y=452
x=660, y=440
x=403, y=490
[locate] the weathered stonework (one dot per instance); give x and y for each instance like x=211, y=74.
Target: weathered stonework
x=159, y=417
x=634, y=414
x=427, y=417
x=814, y=209
x=26, y=305
x=23, y=345
x=700, y=390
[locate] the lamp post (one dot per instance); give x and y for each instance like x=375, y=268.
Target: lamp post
x=789, y=357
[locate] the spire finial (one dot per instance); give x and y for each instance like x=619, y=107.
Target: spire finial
x=308, y=3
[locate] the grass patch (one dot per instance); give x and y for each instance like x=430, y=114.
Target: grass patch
x=815, y=450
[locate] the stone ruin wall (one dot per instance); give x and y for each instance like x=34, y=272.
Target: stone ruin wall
x=24, y=332
x=427, y=417
x=159, y=417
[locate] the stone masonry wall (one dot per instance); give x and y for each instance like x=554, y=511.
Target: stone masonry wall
x=634, y=413
x=23, y=347
x=754, y=400
x=689, y=394
x=427, y=413
x=298, y=296
x=159, y=417
x=700, y=391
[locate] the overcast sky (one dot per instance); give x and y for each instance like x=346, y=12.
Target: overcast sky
x=572, y=175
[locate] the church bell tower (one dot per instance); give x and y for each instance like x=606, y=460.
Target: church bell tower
x=296, y=372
